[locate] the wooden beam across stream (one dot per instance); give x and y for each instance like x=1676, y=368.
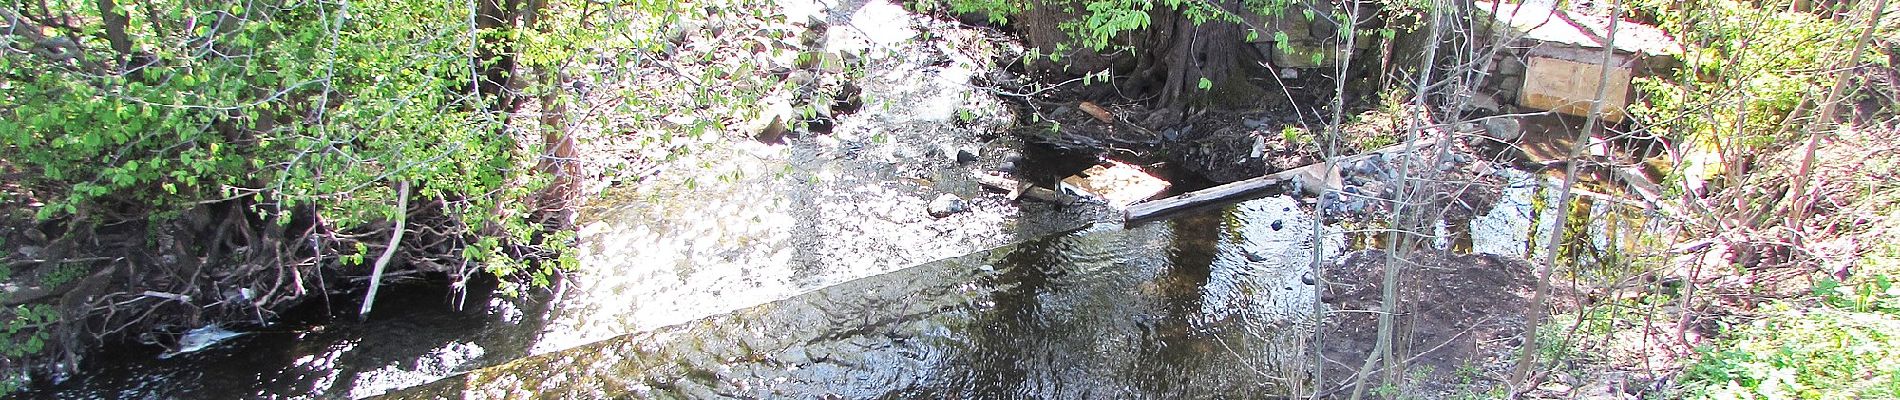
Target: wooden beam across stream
x=1314, y=178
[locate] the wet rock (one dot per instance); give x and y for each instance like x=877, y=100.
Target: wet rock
x=1278, y=224
x=30, y=252
x=1254, y=256
x=946, y=205
x=1047, y=195
x=1351, y=203
x=199, y=339
x=794, y=356
x=967, y=155
x=1503, y=128
x=769, y=124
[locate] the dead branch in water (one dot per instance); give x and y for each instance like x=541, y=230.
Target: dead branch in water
x=395, y=240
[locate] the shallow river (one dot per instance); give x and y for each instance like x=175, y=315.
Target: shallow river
x=811, y=270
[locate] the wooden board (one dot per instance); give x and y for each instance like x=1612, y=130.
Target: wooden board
x=1312, y=178
x=1230, y=192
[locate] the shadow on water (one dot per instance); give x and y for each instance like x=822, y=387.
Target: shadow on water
x=414, y=336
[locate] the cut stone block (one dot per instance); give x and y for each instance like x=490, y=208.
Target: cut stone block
x=1568, y=87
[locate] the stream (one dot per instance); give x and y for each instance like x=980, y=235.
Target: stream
x=1206, y=304
x=811, y=269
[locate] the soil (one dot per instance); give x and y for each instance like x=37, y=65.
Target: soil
x=1217, y=145
x=1460, y=321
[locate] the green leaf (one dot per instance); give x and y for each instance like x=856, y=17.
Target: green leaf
x=1205, y=84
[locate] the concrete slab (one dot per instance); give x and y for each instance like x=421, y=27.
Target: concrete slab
x=1118, y=183
x=1567, y=87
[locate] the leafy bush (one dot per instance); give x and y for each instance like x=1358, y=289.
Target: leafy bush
x=1100, y=24
x=314, y=111
x=313, y=104
x=1748, y=69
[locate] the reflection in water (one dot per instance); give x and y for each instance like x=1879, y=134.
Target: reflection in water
x=1522, y=221
x=1202, y=306
x=347, y=358
x=1506, y=229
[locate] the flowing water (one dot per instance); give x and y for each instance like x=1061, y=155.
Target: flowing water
x=747, y=294
x=761, y=288
x=811, y=270
x=1177, y=309
x=1209, y=304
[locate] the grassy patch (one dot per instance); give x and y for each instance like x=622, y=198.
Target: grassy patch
x=1840, y=347
x=1816, y=353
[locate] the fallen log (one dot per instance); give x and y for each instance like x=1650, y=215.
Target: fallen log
x=1230, y=192
x=1314, y=178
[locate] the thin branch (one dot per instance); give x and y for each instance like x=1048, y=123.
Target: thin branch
x=395, y=240
x=1522, y=371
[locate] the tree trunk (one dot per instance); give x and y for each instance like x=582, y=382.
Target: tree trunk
x=1169, y=63
x=495, y=56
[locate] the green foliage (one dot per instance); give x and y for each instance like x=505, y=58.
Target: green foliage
x=1874, y=294
x=1101, y=24
x=1295, y=135
x=1747, y=67
x=309, y=104
x=26, y=335
x=1820, y=353
x=24, y=327
x=996, y=11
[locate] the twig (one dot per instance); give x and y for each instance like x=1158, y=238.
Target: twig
x=395, y=240
x=1802, y=199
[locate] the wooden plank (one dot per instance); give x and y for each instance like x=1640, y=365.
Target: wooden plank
x=1313, y=178
x=1232, y=191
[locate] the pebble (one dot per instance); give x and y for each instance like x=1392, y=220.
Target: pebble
x=966, y=155
x=946, y=205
